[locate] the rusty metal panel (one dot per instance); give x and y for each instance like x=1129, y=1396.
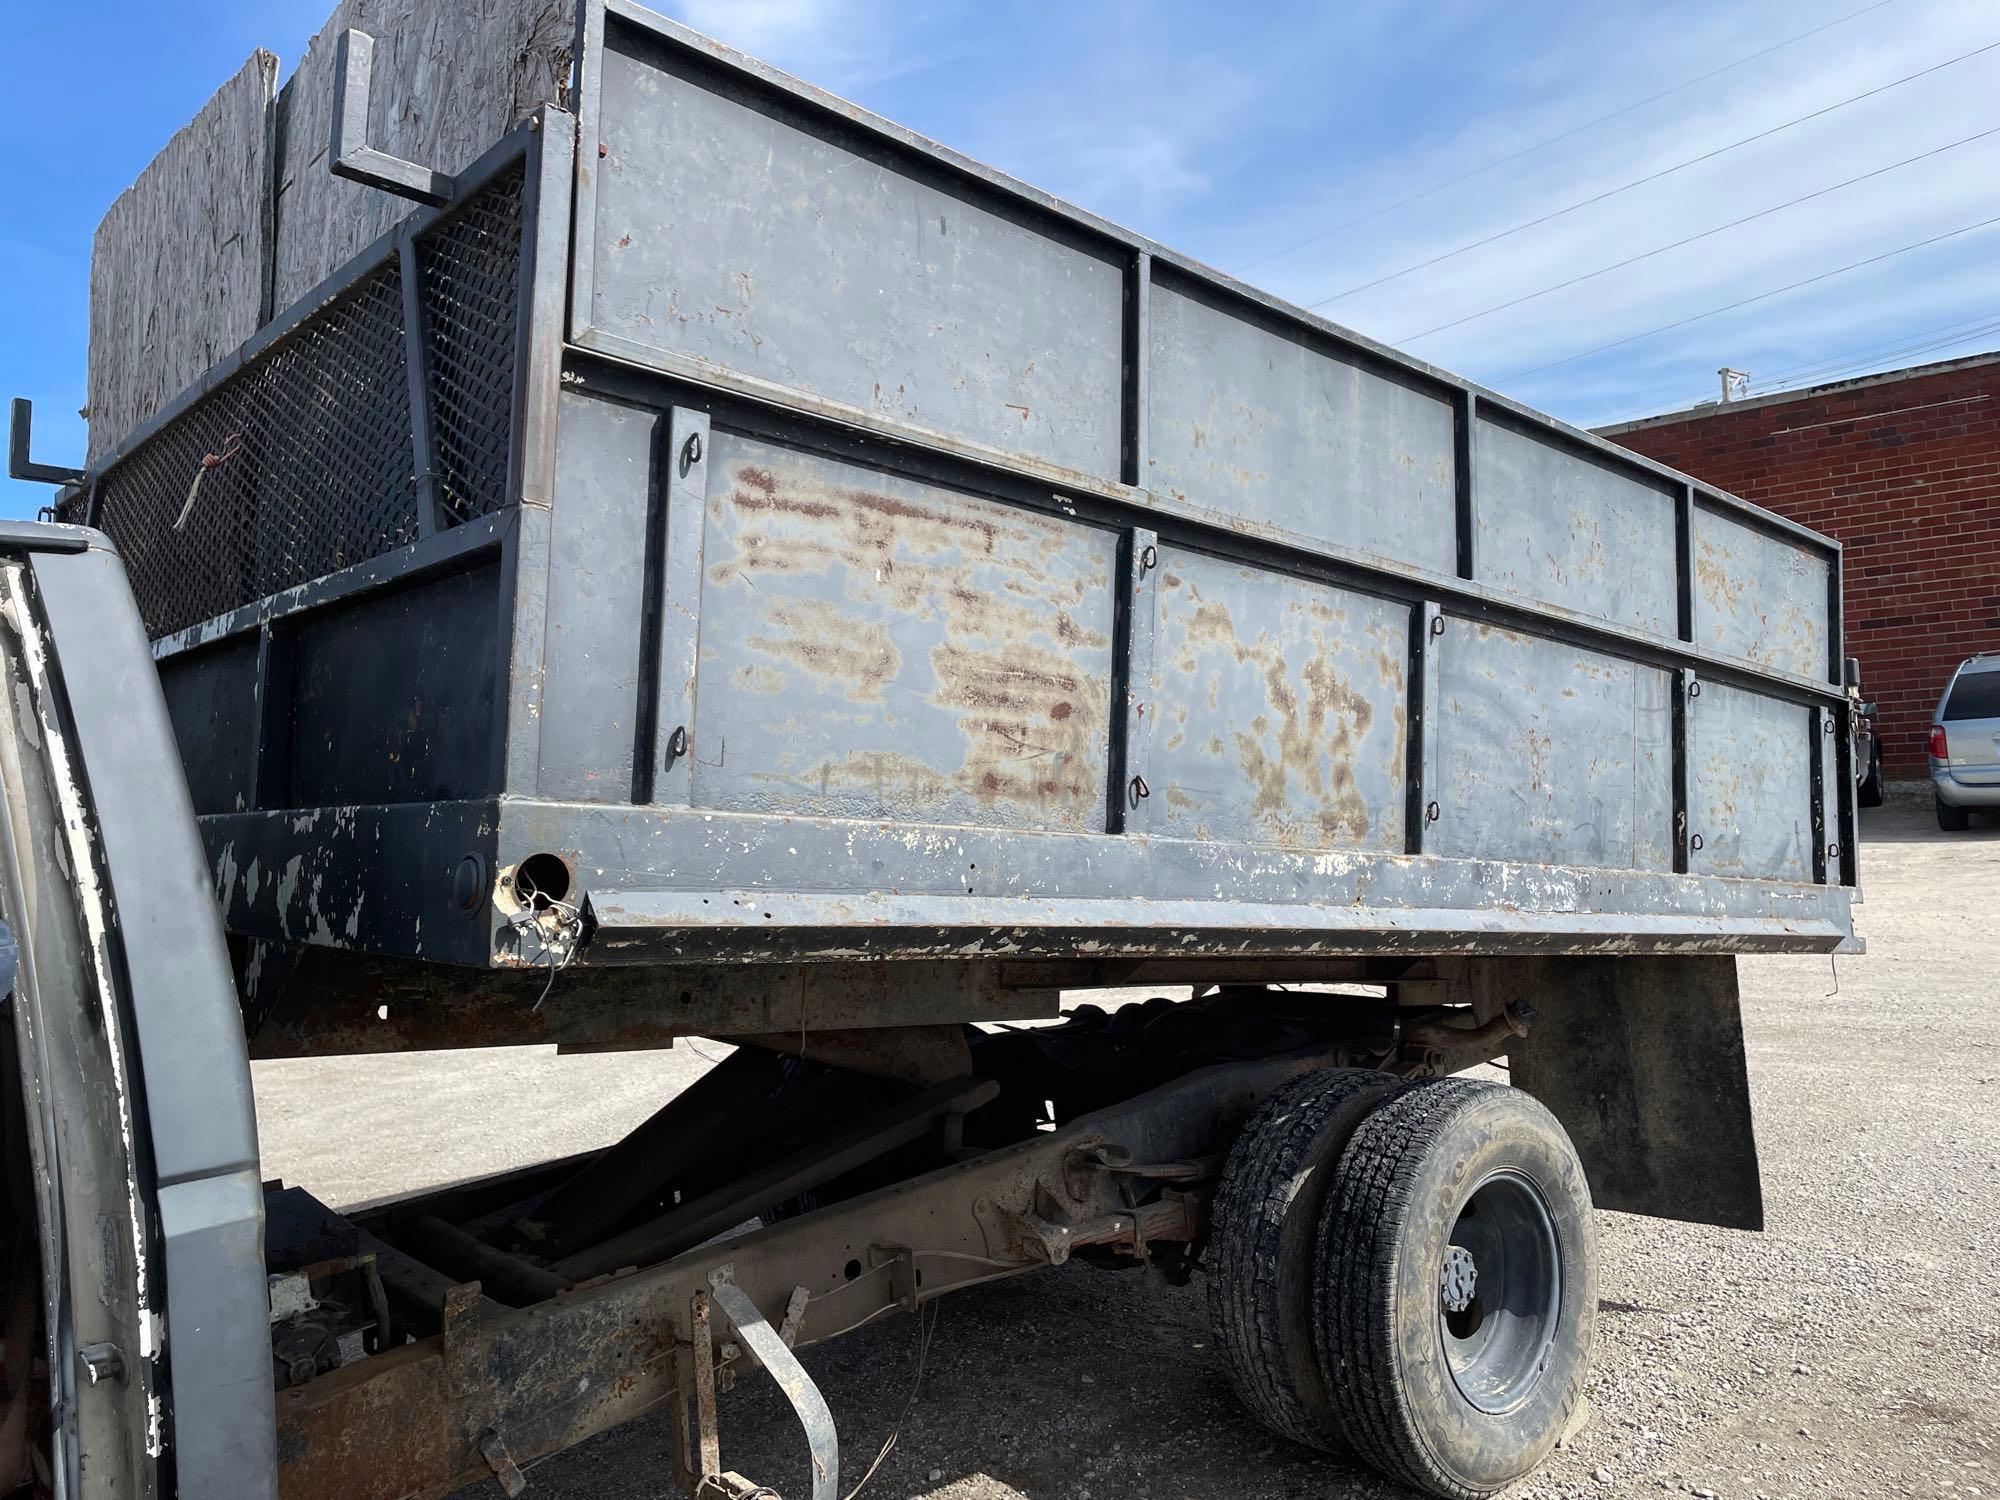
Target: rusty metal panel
x=1760, y=595
x=1279, y=712
x=597, y=599
x=1749, y=785
x=1549, y=753
x=733, y=237
x=1572, y=530
x=1267, y=428
x=876, y=647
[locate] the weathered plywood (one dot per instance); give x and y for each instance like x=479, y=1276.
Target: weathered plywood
x=1574, y=531
x=451, y=77
x=1760, y=594
x=177, y=266
x=1263, y=426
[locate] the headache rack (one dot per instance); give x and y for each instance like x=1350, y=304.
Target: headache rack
x=380, y=412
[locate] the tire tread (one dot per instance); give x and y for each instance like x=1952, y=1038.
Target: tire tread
x=1365, y=1212
x=1251, y=1207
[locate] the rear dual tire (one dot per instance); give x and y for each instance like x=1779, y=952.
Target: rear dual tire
x=1261, y=1250
x=1449, y=1273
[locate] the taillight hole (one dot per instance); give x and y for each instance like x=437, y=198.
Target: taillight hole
x=541, y=881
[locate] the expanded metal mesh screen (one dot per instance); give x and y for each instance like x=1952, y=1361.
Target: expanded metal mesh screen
x=469, y=271
x=304, y=462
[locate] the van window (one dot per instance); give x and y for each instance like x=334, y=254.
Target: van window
x=1976, y=695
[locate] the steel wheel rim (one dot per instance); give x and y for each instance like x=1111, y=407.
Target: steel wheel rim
x=1496, y=1328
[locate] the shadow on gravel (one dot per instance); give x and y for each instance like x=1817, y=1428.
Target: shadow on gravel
x=1908, y=818
x=1073, y=1384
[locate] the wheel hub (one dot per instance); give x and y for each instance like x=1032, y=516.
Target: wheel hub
x=1499, y=1292
x=1460, y=1279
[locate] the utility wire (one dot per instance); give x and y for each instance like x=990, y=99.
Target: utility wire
x=1905, y=343
x=1650, y=177
x=1941, y=336
x=1869, y=365
x=1855, y=362
x=1748, y=301
x=1762, y=213
x=1389, y=208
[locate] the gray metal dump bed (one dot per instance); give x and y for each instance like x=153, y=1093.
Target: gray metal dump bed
x=733, y=526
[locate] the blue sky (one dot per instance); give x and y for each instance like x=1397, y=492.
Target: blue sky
x=1238, y=133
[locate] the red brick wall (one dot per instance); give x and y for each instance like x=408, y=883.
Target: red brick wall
x=1906, y=473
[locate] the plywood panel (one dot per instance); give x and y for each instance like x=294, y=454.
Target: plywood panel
x=177, y=265
x=1572, y=530
x=1750, y=785
x=1760, y=595
x=451, y=77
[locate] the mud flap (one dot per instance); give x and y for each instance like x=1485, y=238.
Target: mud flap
x=1642, y=1060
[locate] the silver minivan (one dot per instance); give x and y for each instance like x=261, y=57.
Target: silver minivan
x=1965, y=743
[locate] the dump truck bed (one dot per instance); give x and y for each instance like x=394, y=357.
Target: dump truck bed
x=734, y=527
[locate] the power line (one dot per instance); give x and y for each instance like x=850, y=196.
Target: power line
x=1868, y=350
x=1388, y=208
x=1761, y=213
x=1747, y=301
x=1853, y=362
x=1820, y=374
x=1651, y=177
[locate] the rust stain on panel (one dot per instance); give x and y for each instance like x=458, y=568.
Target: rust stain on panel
x=827, y=642
x=1295, y=721
x=1761, y=598
x=973, y=638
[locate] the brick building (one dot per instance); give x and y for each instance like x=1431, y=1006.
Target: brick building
x=1904, y=469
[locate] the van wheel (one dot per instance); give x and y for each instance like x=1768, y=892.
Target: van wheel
x=1264, y=1240
x=1457, y=1287
x=1952, y=819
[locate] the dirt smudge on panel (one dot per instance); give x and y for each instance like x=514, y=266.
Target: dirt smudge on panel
x=1772, y=615
x=1712, y=572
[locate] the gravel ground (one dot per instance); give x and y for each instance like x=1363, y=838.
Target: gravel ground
x=1850, y=1350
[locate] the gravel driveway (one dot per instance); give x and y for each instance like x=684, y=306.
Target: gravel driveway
x=1851, y=1350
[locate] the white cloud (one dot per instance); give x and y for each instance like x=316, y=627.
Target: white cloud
x=1909, y=204
x=846, y=46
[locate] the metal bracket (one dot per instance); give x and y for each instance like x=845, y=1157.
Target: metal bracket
x=493, y=1448
x=902, y=1264
x=459, y=1335
x=349, y=154
x=19, y=465
x=101, y=1363
x=770, y=1351
x=795, y=1317
x=706, y=1431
